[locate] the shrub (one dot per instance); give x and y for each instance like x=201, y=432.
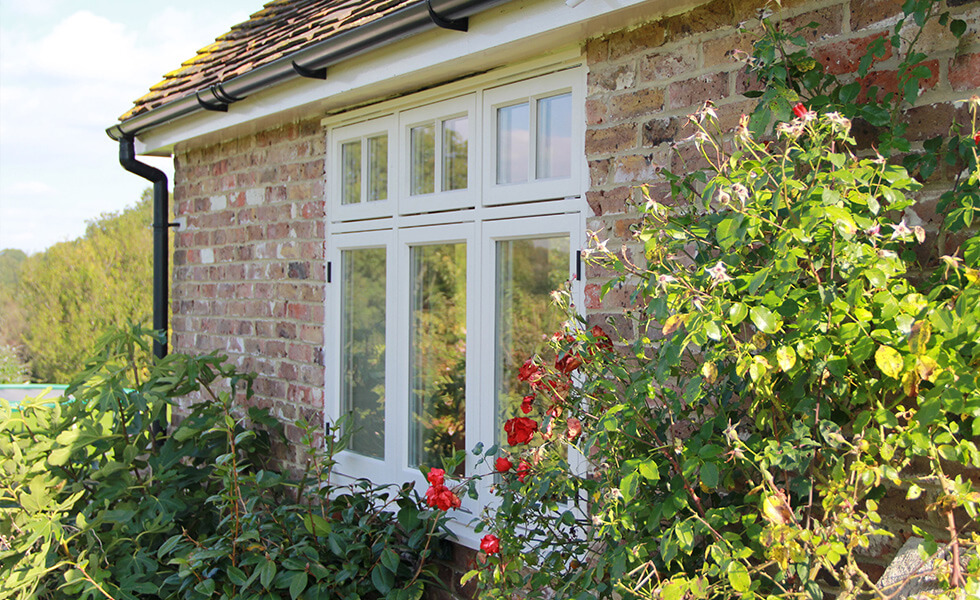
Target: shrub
x=95, y=503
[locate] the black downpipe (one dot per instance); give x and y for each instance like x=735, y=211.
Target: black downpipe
x=161, y=262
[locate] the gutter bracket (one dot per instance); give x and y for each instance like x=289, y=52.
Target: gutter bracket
x=447, y=23
x=309, y=73
x=209, y=106
x=218, y=91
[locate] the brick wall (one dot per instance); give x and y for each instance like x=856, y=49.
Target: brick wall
x=645, y=81
x=248, y=268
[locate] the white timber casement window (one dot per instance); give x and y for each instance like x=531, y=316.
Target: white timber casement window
x=451, y=219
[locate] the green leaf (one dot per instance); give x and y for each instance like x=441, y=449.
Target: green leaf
x=889, y=361
x=737, y=313
x=764, y=319
x=205, y=588
x=628, y=486
x=266, y=571
x=297, y=584
x=648, y=469
x=467, y=576
x=738, y=577
x=709, y=475
x=958, y=27
x=389, y=558
x=382, y=579
x=786, y=358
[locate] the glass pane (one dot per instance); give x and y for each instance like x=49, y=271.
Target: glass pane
x=527, y=272
x=455, y=134
x=363, y=351
x=351, y=166
x=554, y=137
x=513, y=143
x=423, y=156
x=438, y=353
x=377, y=168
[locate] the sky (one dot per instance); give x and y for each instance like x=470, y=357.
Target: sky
x=68, y=69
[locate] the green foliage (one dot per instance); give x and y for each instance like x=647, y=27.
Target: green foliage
x=95, y=503
x=12, y=370
x=799, y=376
x=12, y=323
x=74, y=291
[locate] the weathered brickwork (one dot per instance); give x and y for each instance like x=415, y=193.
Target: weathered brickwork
x=644, y=82
x=248, y=279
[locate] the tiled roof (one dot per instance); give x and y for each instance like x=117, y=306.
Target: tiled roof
x=280, y=28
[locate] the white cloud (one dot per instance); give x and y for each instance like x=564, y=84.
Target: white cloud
x=65, y=76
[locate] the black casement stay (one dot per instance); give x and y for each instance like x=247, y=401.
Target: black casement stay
x=329, y=271
x=309, y=73
x=578, y=265
x=446, y=23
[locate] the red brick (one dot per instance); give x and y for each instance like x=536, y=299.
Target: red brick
x=595, y=111
x=844, y=56
x=694, y=92
x=643, y=38
x=612, y=80
x=726, y=50
x=964, y=72
x=829, y=21
x=708, y=17
x=637, y=168
x=633, y=104
x=666, y=65
x=609, y=202
x=868, y=12
x=610, y=139
x=592, y=299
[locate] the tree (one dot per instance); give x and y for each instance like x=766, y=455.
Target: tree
x=76, y=290
x=12, y=324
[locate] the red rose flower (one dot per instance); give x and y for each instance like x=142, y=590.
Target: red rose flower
x=522, y=470
x=503, y=464
x=601, y=338
x=436, y=476
x=976, y=138
x=490, y=544
x=529, y=371
x=441, y=497
x=520, y=430
x=568, y=363
x=800, y=110
x=574, y=428
x=526, y=404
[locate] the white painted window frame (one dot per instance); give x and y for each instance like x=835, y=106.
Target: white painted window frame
x=436, y=114
x=547, y=208
x=530, y=91
x=361, y=132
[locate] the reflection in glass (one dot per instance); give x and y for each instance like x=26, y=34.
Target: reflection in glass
x=351, y=177
x=437, y=353
x=423, y=153
x=527, y=272
x=455, y=133
x=363, y=348
x=513, y=143
x=554, y=135
x=377, y=168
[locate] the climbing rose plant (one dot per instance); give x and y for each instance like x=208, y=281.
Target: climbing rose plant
x=808, y=356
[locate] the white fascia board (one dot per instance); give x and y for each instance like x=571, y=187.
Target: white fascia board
x=507, y=34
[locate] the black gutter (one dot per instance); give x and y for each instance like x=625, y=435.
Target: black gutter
x=161, y=262
x=311, y=61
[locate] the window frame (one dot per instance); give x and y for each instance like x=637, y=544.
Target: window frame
x=531, y=91
x=549, y=208
x=439, y=200
x=361, y=131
